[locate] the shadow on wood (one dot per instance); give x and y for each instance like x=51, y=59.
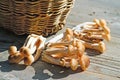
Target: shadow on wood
x=45, y=71
x=8, y=38
x=5, y=66
x=91, y=52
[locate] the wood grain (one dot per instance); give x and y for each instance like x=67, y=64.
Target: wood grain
x=104, y=66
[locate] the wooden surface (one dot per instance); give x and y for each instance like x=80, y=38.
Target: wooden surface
x=104, y=66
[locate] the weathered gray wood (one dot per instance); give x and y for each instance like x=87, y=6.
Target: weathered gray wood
x=104, y=66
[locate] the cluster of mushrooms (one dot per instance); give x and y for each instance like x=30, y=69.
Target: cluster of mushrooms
x=93, y=34
x=29, y=52
x=69, y=51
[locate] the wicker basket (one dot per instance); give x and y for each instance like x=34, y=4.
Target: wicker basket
x=43, y=17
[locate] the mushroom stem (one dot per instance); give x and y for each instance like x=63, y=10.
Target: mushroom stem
x=50, y=59
x=16, y=58
x=58, y=44
x=104, y=26
x=84, y=62
x=97, y=46
x=28, y=60
x=92, y=30
x=55, y=50
x=97, y=22
x=102, y=36
x=74, y=64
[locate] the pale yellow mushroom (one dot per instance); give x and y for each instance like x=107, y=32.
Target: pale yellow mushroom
x=74, y=64
x=97, y=22
x=55, y=50
x=59, y=55
x=25, y=51
x=28, y=57
x=92, y=30
x=84, y=62
x=96, y=46
x=50, y=59
x=68, y=35
x=102, y=36
x=104, y=26
x=59, y=44
x=16, y=58
x=37, y=54
x=64, y=62
x=12, y=50
x=28, y=41
x=80, y=48
x=28, y=60
x=92, y=39
x=71, y=49
x=69, y=31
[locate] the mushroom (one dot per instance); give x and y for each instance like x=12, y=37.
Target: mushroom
x=66, y=61
x=29, y=60
x=55, y=50
x=84, y=62
x=80, y=48
x=61, y=52
x=68, y=35
x=107, y=37
x=30, y=51
x=35, y=48
x=16, y=58
x=97, y=22
x=92, y=30
x=28, y=57
x=12, y=50
x=96, y=46
x=74, y=64
x=96, y=37
x=57, y=44
x=50, y=59
x=95, y=33
x=104, y=26
x=67, y=56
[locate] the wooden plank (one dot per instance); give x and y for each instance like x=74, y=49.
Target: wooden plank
x=104, y=66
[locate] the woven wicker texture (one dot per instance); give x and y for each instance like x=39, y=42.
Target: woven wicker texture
x=43, y=17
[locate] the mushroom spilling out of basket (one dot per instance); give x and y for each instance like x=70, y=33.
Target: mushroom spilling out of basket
x=29, y=52
x=67, y=49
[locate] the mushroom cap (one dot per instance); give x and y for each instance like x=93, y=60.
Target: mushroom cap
x=97, y=22
x=107, y=37
x=102, y=47
x=80, y=47
x=74, y=64
x=16, y=58
x=84, y=62
x=68, y=37
x=69, y=31
x=25, y=51
x=70, y=49
x=12, y=50
x=28, y=60
x=104, y=26
x=103, y=22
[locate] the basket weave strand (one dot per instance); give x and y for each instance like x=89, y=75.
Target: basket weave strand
x=43, y=17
